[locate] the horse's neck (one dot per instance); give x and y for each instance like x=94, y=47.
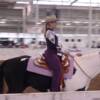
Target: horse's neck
x=90, y=63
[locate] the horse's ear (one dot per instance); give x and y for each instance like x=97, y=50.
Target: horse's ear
x=79, y=54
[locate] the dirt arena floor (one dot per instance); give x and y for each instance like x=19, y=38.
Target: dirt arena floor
x=94, y=85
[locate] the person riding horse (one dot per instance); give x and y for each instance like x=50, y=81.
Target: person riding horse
x=22, y=72
x=51, y=57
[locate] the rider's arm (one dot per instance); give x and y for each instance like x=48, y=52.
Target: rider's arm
x=50, y=35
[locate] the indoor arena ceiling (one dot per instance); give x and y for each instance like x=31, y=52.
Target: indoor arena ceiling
x=16, y=14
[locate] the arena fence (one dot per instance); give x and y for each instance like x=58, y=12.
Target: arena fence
x=87, y=95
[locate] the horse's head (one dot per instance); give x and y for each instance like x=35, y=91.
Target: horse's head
x=89, y=63
x=88, y=67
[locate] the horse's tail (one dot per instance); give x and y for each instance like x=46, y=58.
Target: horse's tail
x=1, y=78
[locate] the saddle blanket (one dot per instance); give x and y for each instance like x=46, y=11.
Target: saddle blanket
x=31, y=67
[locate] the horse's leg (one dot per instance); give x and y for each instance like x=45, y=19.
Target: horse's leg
x=1, y=77
x=87, y=85
x=29, y=89
x=14, y=72
x=14, y=81
x=5, y=86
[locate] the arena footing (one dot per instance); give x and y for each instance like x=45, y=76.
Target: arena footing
x=72, y=95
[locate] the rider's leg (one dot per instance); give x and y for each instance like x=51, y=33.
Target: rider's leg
x=54, y=64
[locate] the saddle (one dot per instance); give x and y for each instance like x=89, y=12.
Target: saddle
x=40, y=62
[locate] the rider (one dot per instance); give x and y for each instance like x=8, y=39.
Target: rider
x=50, y=54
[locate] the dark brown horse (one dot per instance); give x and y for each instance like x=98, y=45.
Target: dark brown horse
x=17, y=78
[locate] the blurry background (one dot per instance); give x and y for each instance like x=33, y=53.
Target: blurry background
x=78, y=22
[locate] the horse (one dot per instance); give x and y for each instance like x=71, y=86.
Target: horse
x=17, y=75
x=87, y=68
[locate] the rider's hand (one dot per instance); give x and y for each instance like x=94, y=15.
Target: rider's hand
x=58, y=48
x=79, y=54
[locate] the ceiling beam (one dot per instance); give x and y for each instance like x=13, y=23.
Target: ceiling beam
x=73, y=2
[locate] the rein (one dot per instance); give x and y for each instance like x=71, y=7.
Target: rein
x=81, y=68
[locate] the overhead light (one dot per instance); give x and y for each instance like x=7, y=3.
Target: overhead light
x=15, y=7
x=2, y=21
x=38, y=23
x=22, y=2
x=68, y=24
x=42, y=21
x=76, y=22
x=97, y=25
